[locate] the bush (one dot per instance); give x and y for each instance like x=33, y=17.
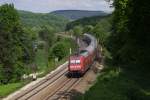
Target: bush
x=62, y=49
x=59, y=50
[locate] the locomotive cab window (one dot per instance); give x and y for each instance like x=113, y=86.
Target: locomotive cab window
x=72, y=61
x=77, y=61
x=84, y=52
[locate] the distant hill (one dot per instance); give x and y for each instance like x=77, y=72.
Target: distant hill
x=77, y=14
x=85, y=21
x=37, y=20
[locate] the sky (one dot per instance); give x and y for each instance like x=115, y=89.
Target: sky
x=45, y=6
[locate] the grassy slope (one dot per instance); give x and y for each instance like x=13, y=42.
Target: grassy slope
x=41, y=59
x=6, y=89
x=115, y=83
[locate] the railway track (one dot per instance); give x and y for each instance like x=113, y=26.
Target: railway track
x=58, y=84
x=57, y=88
x=42, y=84
x=62, y=91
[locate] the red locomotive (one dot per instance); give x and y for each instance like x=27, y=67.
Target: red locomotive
x=81, y=62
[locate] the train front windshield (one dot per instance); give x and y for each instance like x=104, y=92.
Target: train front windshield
x=74, y=62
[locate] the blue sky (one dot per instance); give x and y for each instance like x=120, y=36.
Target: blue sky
x=45, y=6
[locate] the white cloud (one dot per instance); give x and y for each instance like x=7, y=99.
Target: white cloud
x=52, y=5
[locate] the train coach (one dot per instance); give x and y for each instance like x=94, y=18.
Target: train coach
x=81, y=62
